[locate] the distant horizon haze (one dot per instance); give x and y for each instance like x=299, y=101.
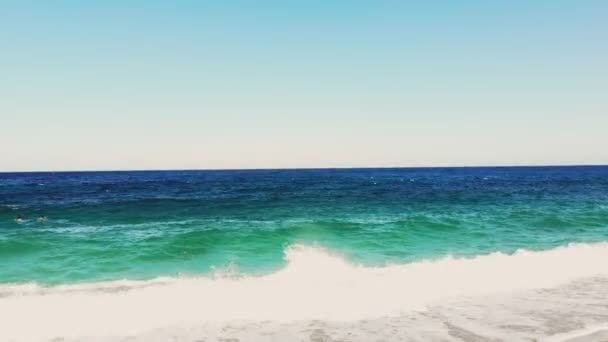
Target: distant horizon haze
x=320, y=168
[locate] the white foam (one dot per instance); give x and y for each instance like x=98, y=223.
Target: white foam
x=314, y=284
x=578, y=334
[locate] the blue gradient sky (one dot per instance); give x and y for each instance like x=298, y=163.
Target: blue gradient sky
x=250, y=84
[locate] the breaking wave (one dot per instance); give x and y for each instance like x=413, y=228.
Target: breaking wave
x=315, y=284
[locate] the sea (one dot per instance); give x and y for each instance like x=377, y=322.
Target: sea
x=369, y=254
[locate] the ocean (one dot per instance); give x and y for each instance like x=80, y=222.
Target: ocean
x=421, y=254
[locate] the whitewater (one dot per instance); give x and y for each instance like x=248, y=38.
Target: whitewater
x=493, y=296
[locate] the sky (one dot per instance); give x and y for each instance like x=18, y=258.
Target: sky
x=110, y=85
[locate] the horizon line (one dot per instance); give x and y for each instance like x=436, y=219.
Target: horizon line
x=312, y=168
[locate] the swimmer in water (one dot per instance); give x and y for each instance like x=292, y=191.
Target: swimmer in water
x=19, y=218
x=41, y=218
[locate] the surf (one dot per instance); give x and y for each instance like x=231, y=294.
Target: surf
x=315, y=284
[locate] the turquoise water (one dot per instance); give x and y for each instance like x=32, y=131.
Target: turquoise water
x=141, y=225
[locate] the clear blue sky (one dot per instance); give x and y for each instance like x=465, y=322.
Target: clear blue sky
x=250, y=84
